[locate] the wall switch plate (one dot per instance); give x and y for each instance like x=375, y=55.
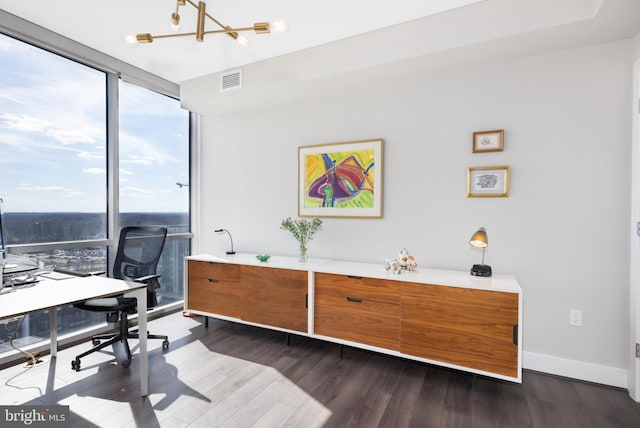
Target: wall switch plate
x=575, y=317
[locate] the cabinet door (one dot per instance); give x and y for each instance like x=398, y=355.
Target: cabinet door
x=462, y=326
x=275, y=297
x=214, y=288
x=362, y=310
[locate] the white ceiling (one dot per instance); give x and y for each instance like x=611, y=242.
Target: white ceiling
x=330, y=36
x=103, y=24
x=488, y=32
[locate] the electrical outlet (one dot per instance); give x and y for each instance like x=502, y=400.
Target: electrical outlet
x=575, y=317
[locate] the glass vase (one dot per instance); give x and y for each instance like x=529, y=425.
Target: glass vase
x=303, y=257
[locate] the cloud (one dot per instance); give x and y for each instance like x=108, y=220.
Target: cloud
x=137, y=150
x=65, y=132
x=24, y=123
x=137, y=193
x=137, y=161
x=57, y=189
x=94, y=171
x=74, y=136
x=126, y=172
x=91, y=155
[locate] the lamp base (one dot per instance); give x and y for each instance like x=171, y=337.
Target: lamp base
x=231, y=252
x=481, y=270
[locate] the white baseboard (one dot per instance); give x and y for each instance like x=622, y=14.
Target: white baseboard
x=575, y=369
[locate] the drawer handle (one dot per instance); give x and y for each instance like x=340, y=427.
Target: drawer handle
x=355, y=299
x=213, y=280
x=354, y=277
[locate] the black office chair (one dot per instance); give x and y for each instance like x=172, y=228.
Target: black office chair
x=139, y=250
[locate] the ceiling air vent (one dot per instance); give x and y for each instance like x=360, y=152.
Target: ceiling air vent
x=231, y=80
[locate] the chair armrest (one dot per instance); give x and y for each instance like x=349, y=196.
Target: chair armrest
x=146, y=279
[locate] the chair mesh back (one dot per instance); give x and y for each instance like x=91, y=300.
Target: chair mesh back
x=139, y=250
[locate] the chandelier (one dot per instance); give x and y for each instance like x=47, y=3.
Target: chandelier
x=258, y=27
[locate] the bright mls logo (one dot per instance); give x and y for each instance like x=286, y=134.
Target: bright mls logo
x=34, y=416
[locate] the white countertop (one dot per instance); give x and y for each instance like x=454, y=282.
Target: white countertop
x=281, y=262
x=451, y=278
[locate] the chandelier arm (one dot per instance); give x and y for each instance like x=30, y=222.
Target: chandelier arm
x=213, y=19
x=167, y=36
x=229, y=30
x=206, y=14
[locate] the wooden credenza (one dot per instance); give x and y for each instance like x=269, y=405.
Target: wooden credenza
x=436, y=316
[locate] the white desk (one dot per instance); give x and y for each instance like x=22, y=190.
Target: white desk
x=50, y=294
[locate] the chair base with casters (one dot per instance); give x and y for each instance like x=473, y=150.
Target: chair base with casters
x=123, y=306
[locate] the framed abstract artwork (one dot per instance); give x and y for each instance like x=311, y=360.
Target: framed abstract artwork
x=340, y=180
x=488, y=141
x=488, y=182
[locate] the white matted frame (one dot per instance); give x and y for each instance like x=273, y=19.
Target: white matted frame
x=488, y=141
x=340, y=179
x=488, y=182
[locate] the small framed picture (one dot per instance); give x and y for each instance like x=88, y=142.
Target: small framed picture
x=488, y=141
x=488, y=182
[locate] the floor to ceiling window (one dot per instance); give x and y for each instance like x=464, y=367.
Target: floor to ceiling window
x=154, y=176
x=54, y=170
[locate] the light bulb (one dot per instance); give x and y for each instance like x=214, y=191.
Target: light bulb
x=130, y=39
x=278, y=26
x=175, y=21
x=242, y=41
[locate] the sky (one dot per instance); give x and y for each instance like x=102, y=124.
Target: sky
x=53, y=138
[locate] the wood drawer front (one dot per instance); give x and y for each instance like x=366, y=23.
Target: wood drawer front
x=344, y=286
x=214, y=271
x=466, y=327
x=275, y=297
x=367, y=321
x=222, y=298
x=214, y=288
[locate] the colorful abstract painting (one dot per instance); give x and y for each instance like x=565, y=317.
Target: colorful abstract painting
x=341, y=180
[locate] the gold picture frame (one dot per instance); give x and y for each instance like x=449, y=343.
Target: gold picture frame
x=340, y=179
x=488, y=182
x=488, y=141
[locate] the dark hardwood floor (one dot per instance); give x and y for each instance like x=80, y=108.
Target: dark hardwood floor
x=240, y=376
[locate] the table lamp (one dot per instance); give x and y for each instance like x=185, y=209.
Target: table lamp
x=480, y=240
x=227, y=232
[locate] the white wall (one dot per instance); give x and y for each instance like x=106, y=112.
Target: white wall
x=563, y=231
